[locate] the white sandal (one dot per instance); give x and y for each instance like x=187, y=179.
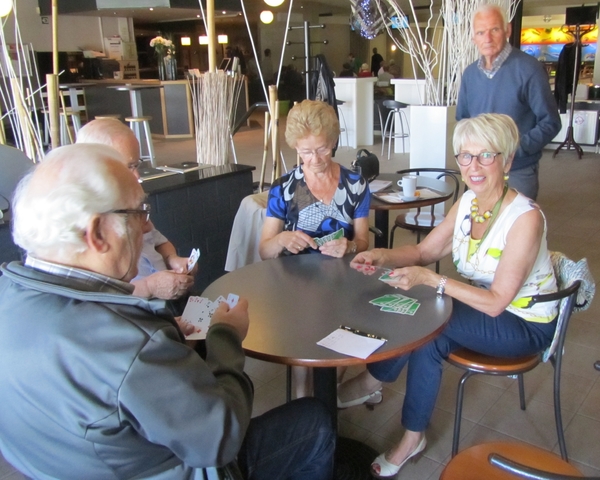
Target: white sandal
x=388, y=469
x=370, y=399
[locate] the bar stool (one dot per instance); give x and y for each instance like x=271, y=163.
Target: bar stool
x=396, y=108
x=343, y=129
x=116, y=116
x=145, y=121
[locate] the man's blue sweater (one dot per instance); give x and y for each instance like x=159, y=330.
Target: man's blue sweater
x=519, y=89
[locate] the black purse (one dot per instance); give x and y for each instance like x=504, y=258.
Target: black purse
x=367, y=164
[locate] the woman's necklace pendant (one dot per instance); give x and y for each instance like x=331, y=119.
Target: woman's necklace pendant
x=478, y=217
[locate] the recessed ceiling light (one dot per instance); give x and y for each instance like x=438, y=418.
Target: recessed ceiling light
x=274, y=3
x=151, y=9
x=266, y=16
x=224, y=12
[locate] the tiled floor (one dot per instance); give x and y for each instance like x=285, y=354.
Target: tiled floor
x=569, y=196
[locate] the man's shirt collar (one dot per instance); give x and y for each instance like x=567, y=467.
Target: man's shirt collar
x=91, y=280
x=497, y=63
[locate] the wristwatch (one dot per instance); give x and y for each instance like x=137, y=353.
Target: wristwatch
x=441, y=286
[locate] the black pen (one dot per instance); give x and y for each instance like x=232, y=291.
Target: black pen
x=361, y=333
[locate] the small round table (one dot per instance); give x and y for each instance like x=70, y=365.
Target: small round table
x=443, y=190
x=296, y=301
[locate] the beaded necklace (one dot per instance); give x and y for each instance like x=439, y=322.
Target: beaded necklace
x=480, y=218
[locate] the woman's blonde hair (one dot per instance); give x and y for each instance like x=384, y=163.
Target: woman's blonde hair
x=495, y=131
x=312, y=117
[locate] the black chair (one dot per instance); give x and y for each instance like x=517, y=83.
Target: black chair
x=420, y=221
x=14, y=165
x=474, y=362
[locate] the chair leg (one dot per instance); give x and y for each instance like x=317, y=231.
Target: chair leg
x=556, y=363
x=521, y=391
x=391, y=134
x=385, y=129
x=288, y=384
x=391, y=243
x=149, y=143
x=458, y=415
x=437, y=267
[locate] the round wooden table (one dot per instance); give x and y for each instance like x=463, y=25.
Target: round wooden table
x=295, y=301
x=442, y=189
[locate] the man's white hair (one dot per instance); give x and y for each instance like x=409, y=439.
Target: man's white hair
x=107, y=131
x=51, y=218
x=488, y=8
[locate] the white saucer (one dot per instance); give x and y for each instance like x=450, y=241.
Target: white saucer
x=409, y=199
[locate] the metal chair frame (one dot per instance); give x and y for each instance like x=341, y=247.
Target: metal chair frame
x=487, y=365
x=400, y=219
x=395, y=108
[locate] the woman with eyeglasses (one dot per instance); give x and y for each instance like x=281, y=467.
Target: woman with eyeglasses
x=497, y=238
x=314, y=200
x=317, y=198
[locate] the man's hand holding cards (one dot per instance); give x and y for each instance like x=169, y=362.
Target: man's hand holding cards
x=199, y=311
x=193, y=260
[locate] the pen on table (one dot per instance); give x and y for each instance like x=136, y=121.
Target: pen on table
x=361, y=333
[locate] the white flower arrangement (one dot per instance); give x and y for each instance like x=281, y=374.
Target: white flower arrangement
x=163, y=46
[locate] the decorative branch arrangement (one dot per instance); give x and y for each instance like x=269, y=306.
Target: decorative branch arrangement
x=441, y=49
x=20, y=90
x=215, y=97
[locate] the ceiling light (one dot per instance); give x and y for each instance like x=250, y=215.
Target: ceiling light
x=151, y=9
x=198, y=16
x=203, y=39
x=186, y=41
x=273, y=3
x=222, y=38
x=394, y=48
x=266, y=16
x=224, y=12
x=5, y=7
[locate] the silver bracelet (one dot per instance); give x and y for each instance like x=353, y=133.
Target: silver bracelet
x=441, y=286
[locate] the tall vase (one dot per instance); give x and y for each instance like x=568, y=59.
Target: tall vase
x=170, y=67
x=162, y=74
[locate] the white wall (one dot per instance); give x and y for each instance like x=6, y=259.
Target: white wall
x=74, y=32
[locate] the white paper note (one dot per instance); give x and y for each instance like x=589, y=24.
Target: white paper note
x=351, y=344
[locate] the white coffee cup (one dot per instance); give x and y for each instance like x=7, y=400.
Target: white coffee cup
x=409, y=185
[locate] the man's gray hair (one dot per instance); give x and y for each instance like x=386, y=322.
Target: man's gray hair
x=54, y=203
x=495, y=131
x=488, y=8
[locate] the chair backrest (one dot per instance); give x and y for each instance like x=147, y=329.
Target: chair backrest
x=14, y=165
x=442, y=173
x=525, y=472
x=570, y=277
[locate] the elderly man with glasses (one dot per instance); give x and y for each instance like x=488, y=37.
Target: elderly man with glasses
x=98, y=383
x=161, y=272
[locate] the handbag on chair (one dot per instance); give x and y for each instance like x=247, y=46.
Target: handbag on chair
x=367, y=164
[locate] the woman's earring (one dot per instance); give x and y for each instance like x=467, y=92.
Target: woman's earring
x=506, y=176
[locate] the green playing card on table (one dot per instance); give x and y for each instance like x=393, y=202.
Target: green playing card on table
x=396, y=303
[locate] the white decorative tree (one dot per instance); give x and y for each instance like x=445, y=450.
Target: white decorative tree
x=441, y=49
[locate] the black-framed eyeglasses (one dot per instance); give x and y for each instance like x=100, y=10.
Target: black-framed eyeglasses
x=464, y=159
x=143, y=210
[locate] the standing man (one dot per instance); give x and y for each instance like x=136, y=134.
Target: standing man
x=354, y=62
x=506, y=80
x=376, y=60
